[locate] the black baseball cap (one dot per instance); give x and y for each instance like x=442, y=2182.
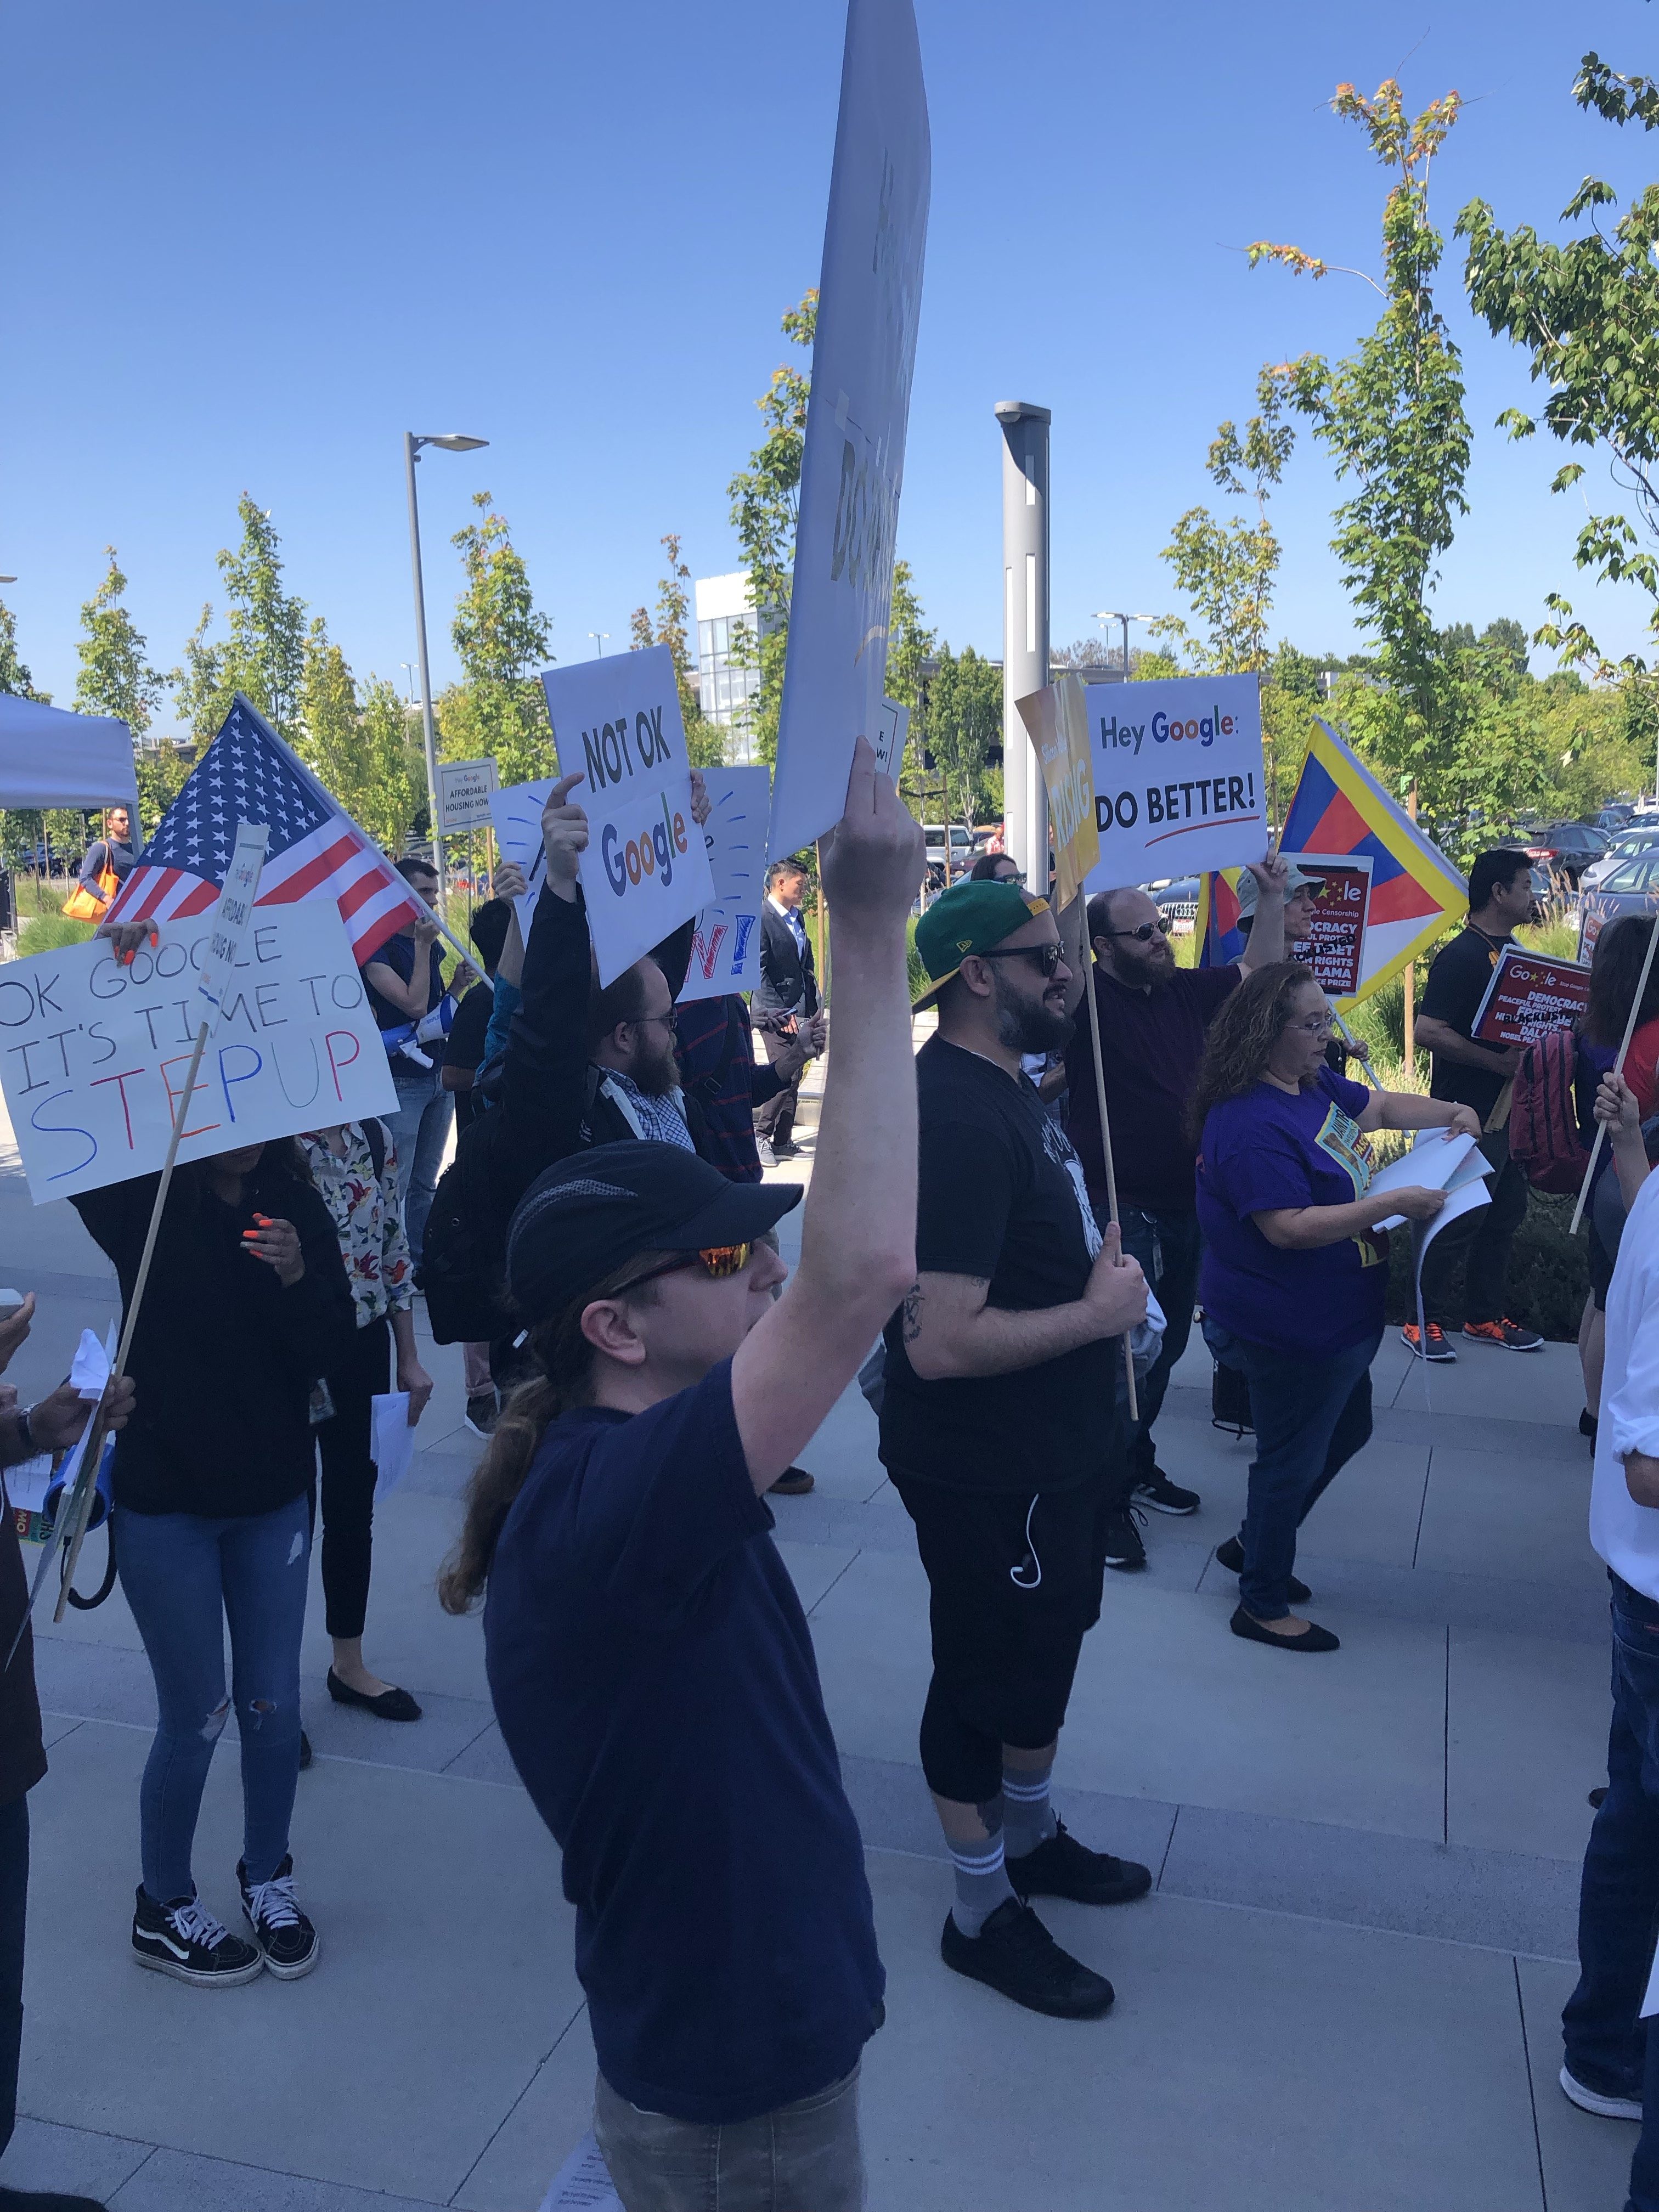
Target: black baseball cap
x=589, y=1214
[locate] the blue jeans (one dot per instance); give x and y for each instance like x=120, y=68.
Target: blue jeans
x=1169, y=1247
x=420, y=1129
x=1310, y=1417
x=184, y=1576
x=804, y=2157
x=1607, y=2046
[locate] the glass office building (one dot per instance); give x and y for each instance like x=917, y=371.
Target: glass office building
x=728, y=672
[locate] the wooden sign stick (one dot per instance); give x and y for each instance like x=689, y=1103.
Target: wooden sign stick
x=1106, y=1147
x=1618, y=1069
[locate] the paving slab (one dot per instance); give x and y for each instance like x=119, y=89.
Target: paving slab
x=1585, y=2160
x=174, y=2181
x=537, y=2136
x=1526, y=1738
x=1509, y=1515
x=71, y=2161
x=1252, y=2062
x=391, y=2066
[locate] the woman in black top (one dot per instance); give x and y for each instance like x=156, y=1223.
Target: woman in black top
x=246, y=1305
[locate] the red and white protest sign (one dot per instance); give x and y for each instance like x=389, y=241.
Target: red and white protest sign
x=1334, y=947
x=1528, y=996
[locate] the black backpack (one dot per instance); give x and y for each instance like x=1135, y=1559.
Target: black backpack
x=461, y=1273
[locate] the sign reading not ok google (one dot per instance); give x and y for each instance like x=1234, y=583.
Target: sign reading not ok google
x=618, y=721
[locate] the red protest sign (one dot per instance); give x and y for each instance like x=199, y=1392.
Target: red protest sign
x=1335, y=945
x=1528, y=996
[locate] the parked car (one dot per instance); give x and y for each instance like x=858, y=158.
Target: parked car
x=1632, y=887
x=961, y=847
x=1614, y=818
x=1177, y=903
x=1566, y=849
x=1638, y=838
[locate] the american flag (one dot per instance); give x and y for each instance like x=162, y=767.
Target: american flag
x=248, y=775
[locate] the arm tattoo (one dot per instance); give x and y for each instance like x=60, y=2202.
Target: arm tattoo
x=913, y=1313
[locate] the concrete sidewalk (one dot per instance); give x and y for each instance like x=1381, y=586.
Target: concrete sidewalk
x=1344, y=1991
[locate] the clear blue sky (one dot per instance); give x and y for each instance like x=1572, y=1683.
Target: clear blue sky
x=248, y=245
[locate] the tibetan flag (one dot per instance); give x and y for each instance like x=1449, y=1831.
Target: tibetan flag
x=1339, y=807
x=315, y=849
x=1220, y=940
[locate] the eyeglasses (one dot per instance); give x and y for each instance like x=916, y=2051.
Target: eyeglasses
x=1046, y=956
x=1145, y=934
x=719, y=1263
x=640, y=1021
x=1315, y=1025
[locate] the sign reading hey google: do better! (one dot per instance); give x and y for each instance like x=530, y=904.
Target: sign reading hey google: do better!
x=1178, y=781
x=617, y=721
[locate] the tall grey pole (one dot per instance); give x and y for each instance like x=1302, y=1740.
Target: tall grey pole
x=430, y=732
x=1024, y=628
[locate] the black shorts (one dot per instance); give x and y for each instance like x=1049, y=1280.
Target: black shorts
x=1016, y=1583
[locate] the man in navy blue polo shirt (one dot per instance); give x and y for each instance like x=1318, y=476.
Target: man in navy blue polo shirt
x=651, y=1666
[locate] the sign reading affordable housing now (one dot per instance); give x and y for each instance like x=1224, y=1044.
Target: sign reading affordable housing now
x=1178, y=777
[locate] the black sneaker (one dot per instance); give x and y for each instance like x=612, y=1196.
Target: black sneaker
x=184, y=1941
x=1014, y=1952
x=1062, y=1867
x=1124, y=1549
x=481, y=1413
x=1231, y=1555
x=1163, y=1496
x=290, y=1944
x=51, y=2200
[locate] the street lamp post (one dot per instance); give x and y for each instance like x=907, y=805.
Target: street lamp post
x=452, y=442
x=1024, y=628
x=599, y=637
x=1111, y=615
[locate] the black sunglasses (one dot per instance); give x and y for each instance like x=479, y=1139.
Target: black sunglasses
x=1046, y=956
x=1145, y=934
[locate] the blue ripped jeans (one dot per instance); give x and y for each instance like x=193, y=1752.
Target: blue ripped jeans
x=184, y=1577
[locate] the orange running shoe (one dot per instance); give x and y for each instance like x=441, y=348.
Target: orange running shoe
x=1505, y=1333
x=1433, y=1345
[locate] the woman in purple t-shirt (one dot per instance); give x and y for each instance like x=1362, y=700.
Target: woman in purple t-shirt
x=1294, y=1265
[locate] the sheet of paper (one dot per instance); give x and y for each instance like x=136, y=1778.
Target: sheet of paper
x=1463, y=1200
x=26, y=1485
x=583, y=2180
x=391, y=1441
x=1426, y=1167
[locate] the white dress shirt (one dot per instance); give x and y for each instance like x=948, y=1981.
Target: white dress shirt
x=1625, y=1534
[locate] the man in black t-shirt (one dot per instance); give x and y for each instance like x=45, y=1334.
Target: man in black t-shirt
x=999, y=1430
x=1500, y=899
x=651, y=1666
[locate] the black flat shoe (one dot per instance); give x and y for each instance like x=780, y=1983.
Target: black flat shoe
x=1014, y=1954
x=305, y=1761
x=30, y=2200
x=1231, y=1555
x=1312, y=1638
x=390, y=1705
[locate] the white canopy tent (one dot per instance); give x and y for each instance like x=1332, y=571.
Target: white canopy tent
x=52, y=758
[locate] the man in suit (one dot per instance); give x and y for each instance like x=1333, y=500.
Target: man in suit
x=784, y=1000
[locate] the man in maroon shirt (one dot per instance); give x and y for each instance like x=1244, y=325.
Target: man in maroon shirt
x=1153, y=1016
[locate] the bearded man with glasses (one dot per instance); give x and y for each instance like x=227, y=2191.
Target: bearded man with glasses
x=1000, y=1431
x=1153, y=1017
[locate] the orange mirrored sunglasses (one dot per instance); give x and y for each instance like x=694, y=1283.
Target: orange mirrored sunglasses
x=718, y=1262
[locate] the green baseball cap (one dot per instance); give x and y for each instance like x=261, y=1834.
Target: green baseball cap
x=969, y=917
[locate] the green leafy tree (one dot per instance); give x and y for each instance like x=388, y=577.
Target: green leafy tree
x=1588, y=315
x=964, y=724
x=329, y=739
x=163, y=771
x=201, y=694
x=15, y=677
x=765, y=505
x=1226, y=569
x=1391, y=416
x=264, y=655
x=705, y=741
x=115, y=676
x=393, y=805
x=499, y=708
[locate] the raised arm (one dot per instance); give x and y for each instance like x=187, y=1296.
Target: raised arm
x=858, y=1239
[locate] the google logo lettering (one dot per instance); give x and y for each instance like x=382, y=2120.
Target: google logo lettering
x=652, y=853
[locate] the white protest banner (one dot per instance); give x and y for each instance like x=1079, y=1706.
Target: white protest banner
x=93, y=1054
x=725, y=944
x=1178, y=781
x=216, y=973
x=853, y=461
x=893, y=735
x=617, y=721
x=464, y=789
x=516, y=814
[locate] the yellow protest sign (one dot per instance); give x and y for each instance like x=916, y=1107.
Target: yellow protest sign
x=1057, y=718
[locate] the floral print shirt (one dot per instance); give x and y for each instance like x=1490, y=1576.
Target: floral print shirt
x=368, y=1219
